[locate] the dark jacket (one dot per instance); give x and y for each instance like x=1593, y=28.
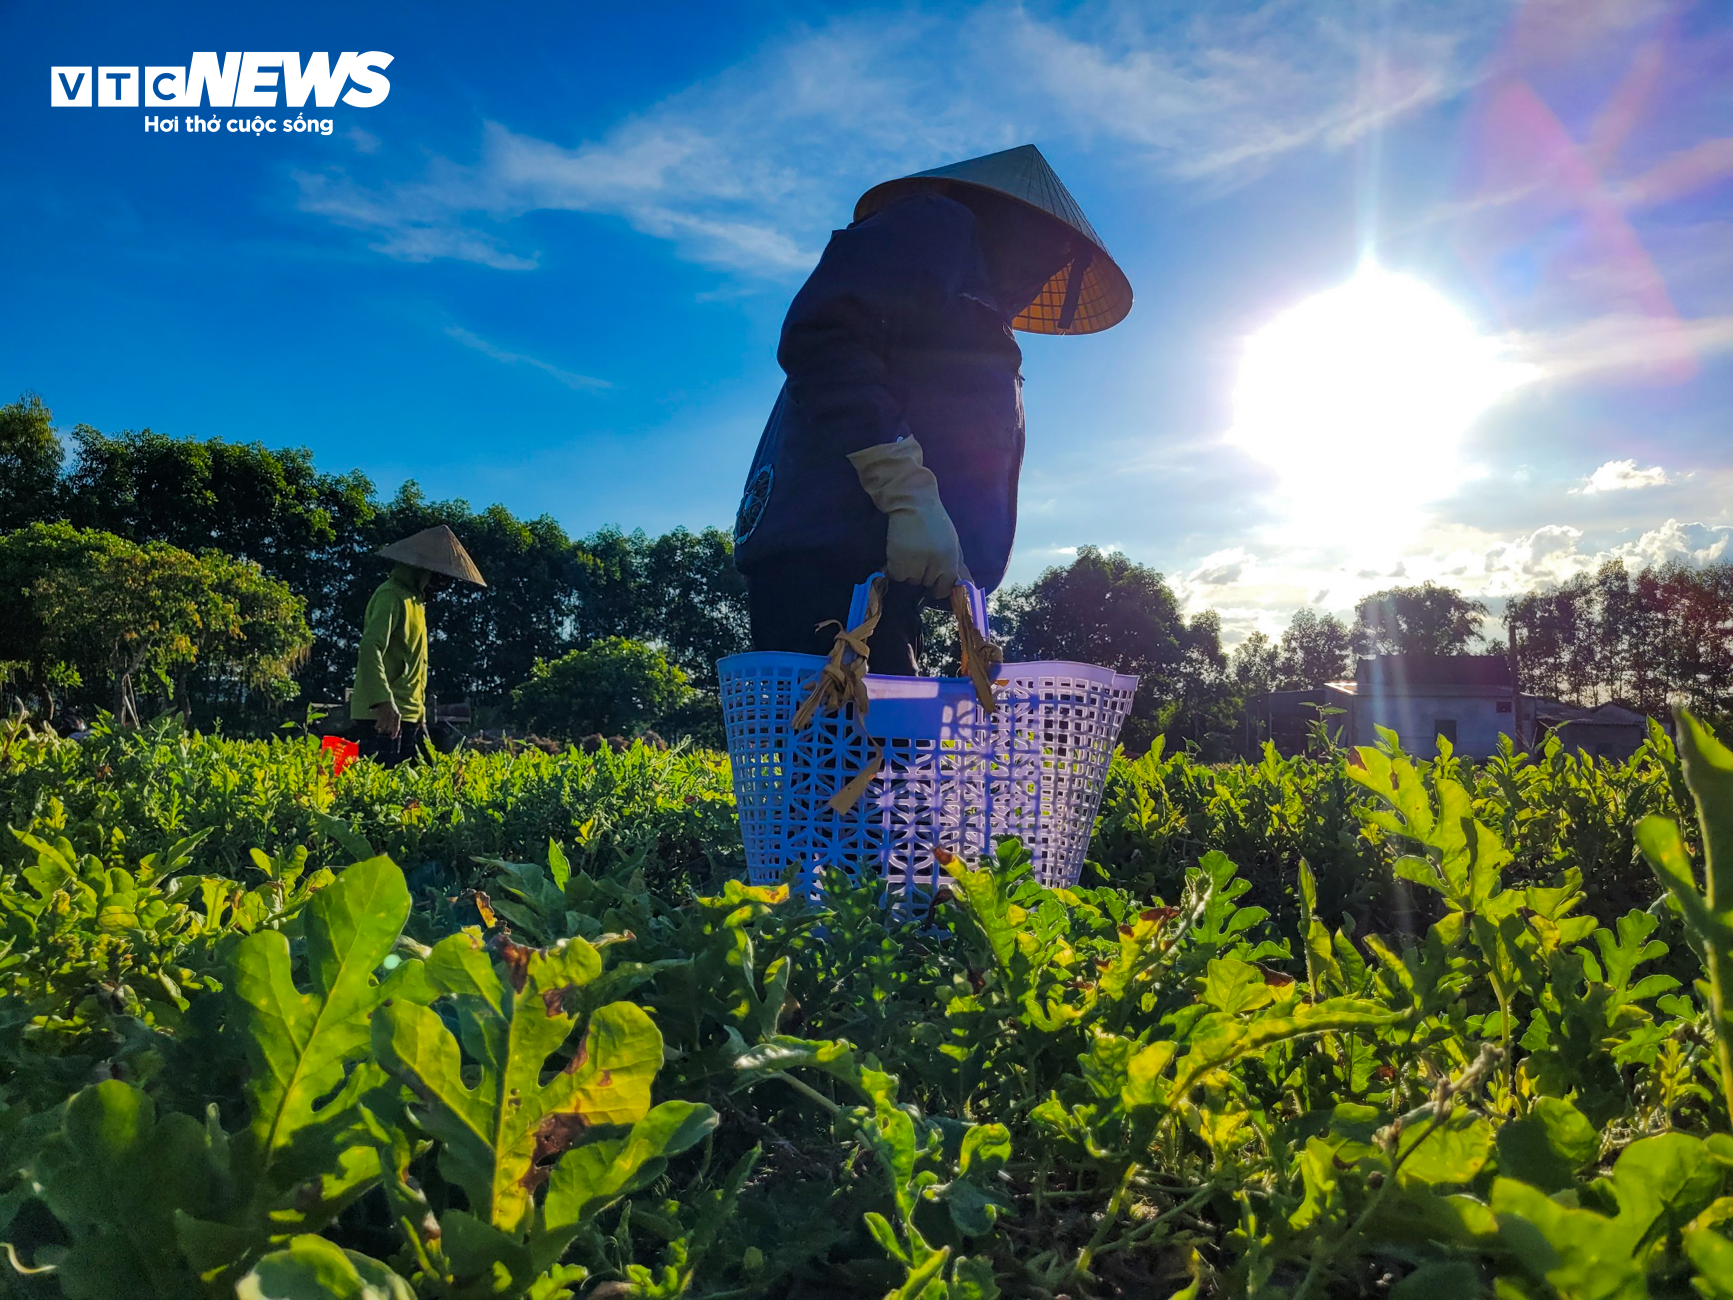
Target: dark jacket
x=894, y=334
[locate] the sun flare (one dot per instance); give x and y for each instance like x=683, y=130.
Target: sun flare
x=1367, y=388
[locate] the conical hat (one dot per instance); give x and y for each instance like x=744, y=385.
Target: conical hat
x=437, y=549
x=1104, y=296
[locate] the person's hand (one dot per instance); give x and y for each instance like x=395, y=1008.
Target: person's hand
x=387, y=721
x=921, y=548
x=921, y=545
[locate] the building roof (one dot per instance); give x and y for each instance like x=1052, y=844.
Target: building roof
x=1409, y=672
x=1557, y=713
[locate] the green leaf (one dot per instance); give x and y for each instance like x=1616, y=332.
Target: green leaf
x=1447, y=1154
x=172, y=859
x=1708, y=768
x=972, y=1197
x=1143, y=1088
x=1454, y=1278
x=987, y=904
x=782, y=1052
x=1585, y=1255
x=1548, y=1145
x=1623, y=952
x=1713, y=1256
x=1415, y=1214
x=972, y=1279
x=589, y=1179
x=483, y=1260
x=921, y=1276
x=885, y=1235
x=500, y=1137
x=986, y=1150
x=1235, y=986
x=1229, y=1040
x=971, y=1209
x=301, y=1045
x=1659, y=1184
x=1664, y=846
x=348, y=838
x=558, y=867
x=1662, y=1182
x=114, y=1176
x=312, y=1268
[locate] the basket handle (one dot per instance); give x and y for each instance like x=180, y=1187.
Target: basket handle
x=981, y=658
x=842, y=680
x=975, y=596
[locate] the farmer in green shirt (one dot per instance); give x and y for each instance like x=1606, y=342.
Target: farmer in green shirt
x=391, y=677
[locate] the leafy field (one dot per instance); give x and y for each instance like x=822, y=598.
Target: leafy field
x=1350, y=1025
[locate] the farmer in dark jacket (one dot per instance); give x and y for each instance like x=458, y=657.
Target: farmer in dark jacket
x=391, y=664
x=897, y=440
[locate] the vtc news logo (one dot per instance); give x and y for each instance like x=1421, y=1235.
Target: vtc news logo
x=233, y=80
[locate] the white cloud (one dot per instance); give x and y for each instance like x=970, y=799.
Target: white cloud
x=1693, y=544
x=1546, y=555
x=1217, y=94
x=748, y=170
x=1626, y=346
x=1221, y=568
x=583, y=383
x=405, y=228
x=1482, y=565
x=1622, y=476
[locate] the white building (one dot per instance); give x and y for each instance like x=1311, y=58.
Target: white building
x=1469, y=700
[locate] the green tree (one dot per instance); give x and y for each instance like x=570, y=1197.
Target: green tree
x=695, y=600
x=317, y=532
x=1547, y=632
x=32, y=650
x=615, y=686
x=1207, y=706
x=1316, y=648
x=609, y=587
x=126, y=609
x=1427, y=619
x=1252, y=665
x=311, y=530
x=1659, y=636
x=253, y=656
x=30, y=455
x=91, y=608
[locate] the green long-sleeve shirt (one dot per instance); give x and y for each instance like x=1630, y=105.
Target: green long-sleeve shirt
x=393, y=660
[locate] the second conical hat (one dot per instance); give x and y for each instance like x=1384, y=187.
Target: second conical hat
x=436, y=549
x=1102, y=296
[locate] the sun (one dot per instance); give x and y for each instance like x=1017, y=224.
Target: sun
x=1361, y=395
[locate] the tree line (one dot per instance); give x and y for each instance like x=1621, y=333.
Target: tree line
x=267, y=604
x=315, y=533
x=1660, y=635
x=1104, y=608
x=1318, y=647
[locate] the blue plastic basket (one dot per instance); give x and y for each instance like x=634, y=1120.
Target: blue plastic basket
x=955, y=776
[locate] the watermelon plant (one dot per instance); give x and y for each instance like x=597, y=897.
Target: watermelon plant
x=1351, y=1024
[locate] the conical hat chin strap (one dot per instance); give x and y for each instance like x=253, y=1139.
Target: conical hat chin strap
x=1074, y=286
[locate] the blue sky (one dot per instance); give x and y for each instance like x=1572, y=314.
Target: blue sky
x=550, y=268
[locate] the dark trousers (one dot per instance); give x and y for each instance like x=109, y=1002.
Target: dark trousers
x=788, y=598
x=389, y=751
